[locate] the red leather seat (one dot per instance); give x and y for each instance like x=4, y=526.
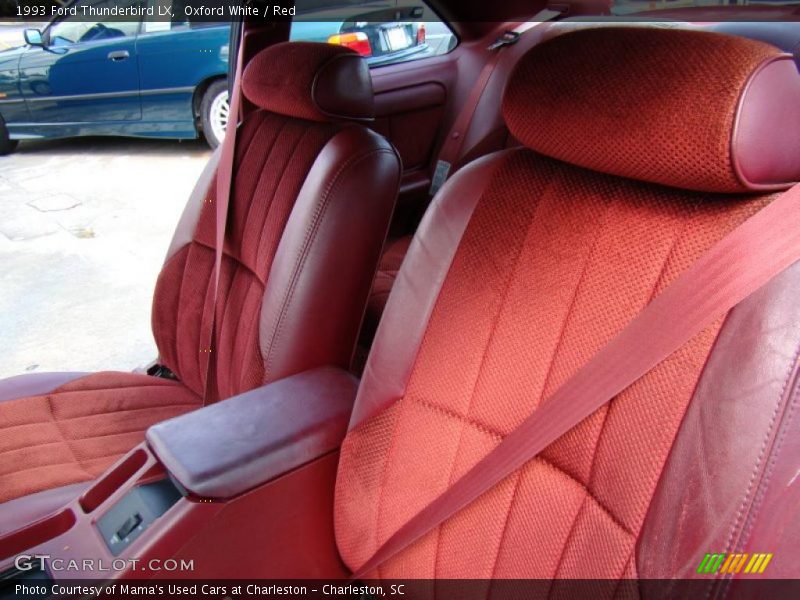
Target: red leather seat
x=313, y=195
x=643, y=148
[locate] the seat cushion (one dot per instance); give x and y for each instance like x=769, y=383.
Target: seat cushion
x=554, y=262
x=391, y=261
x=78, y=430
x=527, y=265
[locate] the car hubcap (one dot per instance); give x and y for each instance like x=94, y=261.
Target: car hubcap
x=218, y=115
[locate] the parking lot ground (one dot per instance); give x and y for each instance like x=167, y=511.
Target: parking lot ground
x=84, y=227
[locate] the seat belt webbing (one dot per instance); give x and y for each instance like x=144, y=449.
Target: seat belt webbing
x=451, y=150
x=734, y=268
x=223, y=197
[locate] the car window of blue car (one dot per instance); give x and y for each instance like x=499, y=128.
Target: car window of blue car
x=385, y=32
x=73, y=30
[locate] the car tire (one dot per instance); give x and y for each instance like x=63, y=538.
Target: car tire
x=214, y=112
x=7, y=146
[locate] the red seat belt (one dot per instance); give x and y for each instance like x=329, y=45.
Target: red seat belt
x=451, y=150
x=223, y=197
x=735, y=267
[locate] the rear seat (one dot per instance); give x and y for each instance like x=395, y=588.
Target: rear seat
x=487, y=131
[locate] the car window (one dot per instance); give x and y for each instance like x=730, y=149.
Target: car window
x=73, y=30
x=178, y=20
x=384, y=32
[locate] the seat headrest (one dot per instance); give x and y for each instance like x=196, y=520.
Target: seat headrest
x=695, y=110
x=312, y=81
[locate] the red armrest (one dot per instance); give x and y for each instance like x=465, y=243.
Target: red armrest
x=235, y=445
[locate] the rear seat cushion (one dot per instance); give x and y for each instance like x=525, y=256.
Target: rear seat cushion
x=75, y=432
x=391, y=261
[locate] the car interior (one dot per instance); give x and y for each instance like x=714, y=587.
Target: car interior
x=386, y=274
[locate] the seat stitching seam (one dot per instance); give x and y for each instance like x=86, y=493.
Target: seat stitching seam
x=219, y=327
x=612, y=517
x=97, y=414
x=608, y=407
x=63, y=437
x=574, y=299
x=624, y=569
x=26, y=469
x=38, y=445
x=235, y=271
x=80, y=439
x=468, y=420
x=308, y=241
x=384, y=470
x=301, y=139
x=176, y=329
x=740, y=513
x=517, y=484
x=503, y=300
x=80, y=465
x=566, y=544
x=541, y=458
x=147, y=381
x=585, y=268
x=244, y=152
x=130, y=410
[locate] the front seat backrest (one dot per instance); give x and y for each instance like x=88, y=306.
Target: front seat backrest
x=643, y=148
x=313, y=194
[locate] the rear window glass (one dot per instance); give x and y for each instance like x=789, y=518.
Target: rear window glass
x=384, y=33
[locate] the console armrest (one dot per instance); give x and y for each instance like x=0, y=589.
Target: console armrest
x=235, y=445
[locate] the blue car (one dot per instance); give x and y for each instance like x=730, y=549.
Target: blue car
x=149, y=78
x=146, y=79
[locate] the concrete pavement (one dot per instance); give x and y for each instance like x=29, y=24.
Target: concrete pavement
x=84, y=226
x=11, y=34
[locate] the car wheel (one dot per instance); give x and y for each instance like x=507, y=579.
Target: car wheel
x=214, y=111
x=7, y=146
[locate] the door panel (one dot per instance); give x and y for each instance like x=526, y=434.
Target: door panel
x=410, y=117
x=12, y=105
x=411, y=105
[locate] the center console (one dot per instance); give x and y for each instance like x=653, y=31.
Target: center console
x=240, y=489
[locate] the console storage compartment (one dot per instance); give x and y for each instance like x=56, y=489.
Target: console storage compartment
x=228, y=448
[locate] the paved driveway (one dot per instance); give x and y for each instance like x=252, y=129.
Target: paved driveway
x=84, y=226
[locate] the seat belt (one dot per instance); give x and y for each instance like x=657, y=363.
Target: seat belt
x=451, y=150
x=222, y=199
x=734, y=268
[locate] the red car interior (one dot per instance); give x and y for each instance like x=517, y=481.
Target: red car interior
x=292, y=294
x=600, y=163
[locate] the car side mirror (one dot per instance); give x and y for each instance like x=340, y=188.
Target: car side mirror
x=34, y=37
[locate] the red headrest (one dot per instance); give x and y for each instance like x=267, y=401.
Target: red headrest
x=317, y=82
x=695, y=110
